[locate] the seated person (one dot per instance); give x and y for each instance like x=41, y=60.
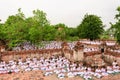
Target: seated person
x=27, y=67
x=110, y=70
x=86, y=75
x=98, y=73
x=114, y=63
x=35, y=67
x=48, y=71
x=104, y=71
x=70, y=74
x=16, y=69
x=116, y=68
x=3, y=70
x=61, y=75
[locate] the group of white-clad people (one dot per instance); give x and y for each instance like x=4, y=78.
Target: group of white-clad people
x=59, y=65
x=24, y=46
x=45, y=45
x=57, y=44
x=92, y=49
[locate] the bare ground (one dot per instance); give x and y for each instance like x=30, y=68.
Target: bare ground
x=37, y=75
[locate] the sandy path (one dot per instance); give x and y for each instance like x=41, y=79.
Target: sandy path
x=37, y=75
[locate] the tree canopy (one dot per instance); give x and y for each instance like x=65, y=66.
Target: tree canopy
x=34, y=29
x=18, y=28
x=115, y=28
x=91, y=27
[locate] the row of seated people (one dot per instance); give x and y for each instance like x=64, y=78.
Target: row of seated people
x=46, y=45
x=91, y=49
x=97, y=42
x=110, y=43
x=24, y=46
x=68, y=69
x=52, y=45
x=91, y=42
x=57, y=44
x=60, y=66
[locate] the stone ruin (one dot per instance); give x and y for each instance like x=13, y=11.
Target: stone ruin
x=76, y=54
x=66, y=51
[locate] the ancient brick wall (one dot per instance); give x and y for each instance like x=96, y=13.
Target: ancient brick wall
x=14, y=55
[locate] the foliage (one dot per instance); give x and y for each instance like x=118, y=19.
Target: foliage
x=40, y=17
x=117, y=16
x=105, y=35
x=49, y=33
x=2, y=34
x=91, y=27
x=115, y=28
x=37, y=28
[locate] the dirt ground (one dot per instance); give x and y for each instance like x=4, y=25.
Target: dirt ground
x=37, y=75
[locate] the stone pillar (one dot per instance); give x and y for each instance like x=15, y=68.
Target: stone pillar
x=78, y=52
x=80, y=55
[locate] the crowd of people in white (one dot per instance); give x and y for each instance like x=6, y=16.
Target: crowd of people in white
x=91, y=49
x=57, y=45
x=24, y=46
x=58, y=65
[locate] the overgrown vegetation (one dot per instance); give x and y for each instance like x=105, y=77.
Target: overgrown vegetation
x=37, y=28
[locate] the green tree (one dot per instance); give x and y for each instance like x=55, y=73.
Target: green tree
x=35, y=35
x=40, y=17
x=16, y=29
x=60, y=31
x=49, y=33
x=117, y=16
x=105, y=35
x=2, y=33
x=116, y=27
x=71, y=34
x=91, y=27
x=32, y=25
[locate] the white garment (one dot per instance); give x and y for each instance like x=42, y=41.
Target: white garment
x=70, y=74
x=27, y=69
x=61, y=75
x=87, y=76
x=109, y=70
x=98, y=73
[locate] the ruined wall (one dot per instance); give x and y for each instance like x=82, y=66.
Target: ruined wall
x=14, y=55
x=110, y=58
x=78, y=55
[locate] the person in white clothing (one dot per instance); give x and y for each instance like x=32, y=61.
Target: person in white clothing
x=114, y=63
x=61, y=75
x=4, y=70
x=86, y=75
x=35, y=67
x=116, y=68
x=16, y=69
x=27, y=67
x=89, y=70
x=110, y=70
x=49, y=71
x=104, y=71
x=98, y=73
x=70, y=74
x=43, y=66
